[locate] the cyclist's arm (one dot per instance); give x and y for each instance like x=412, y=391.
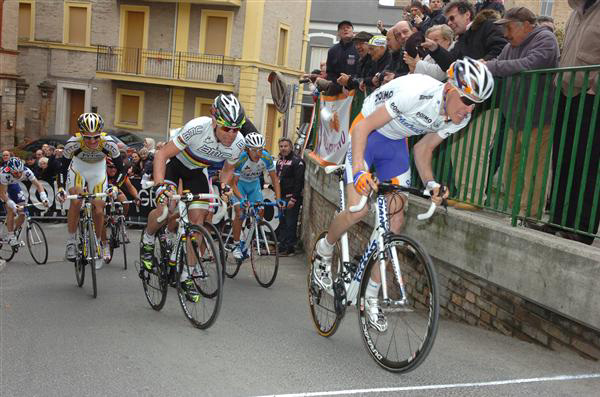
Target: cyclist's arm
x=3, y=194
x=130, y=188
x=361, y=132
x=160, y=161
x=38, y=186
x=226, y=172
x=234, y=187
x=276, y=185
x=423, y=153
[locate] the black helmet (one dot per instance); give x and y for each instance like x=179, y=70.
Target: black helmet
x=228, y=112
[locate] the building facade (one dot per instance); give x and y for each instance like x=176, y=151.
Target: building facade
x=150, y=66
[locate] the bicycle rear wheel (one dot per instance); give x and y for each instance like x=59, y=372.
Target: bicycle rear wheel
x=155, y=281
x=412, y=322
x=6, y=251
x=201, y=298
x=121, y=236
x=93, y=253
x=232, y=265
x=264, y=254
x=321, y=302
x=216, y=236
x=36, y=243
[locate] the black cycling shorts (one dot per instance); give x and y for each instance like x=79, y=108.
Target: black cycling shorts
x=193, y=180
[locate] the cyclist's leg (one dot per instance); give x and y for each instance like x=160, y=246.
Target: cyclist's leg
x=15, y=194
x=75, y=183
x=121, y=198
x=97, y=183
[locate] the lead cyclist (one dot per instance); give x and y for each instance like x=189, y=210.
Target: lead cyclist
x=407, y=106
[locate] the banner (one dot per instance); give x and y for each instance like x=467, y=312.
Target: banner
x=334, y=125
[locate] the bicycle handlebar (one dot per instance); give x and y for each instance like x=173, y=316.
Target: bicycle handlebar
x=421, y=217
x=187, y=197
x=85, y=196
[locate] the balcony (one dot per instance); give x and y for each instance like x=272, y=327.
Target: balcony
x=185, y=69
x=231, y=3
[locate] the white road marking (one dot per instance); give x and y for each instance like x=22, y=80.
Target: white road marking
x=435, y=387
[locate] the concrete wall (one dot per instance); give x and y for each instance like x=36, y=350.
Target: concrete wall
x=515, y=281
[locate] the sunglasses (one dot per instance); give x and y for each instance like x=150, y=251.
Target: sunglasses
x=467, y=101
x=229, y=129
x=91, y=137
x=255, y=149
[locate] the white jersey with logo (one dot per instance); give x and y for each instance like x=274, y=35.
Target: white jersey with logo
x=6, y=178
x=76, y=148
x=414, y=101
x=249, y=170
x=200, y=148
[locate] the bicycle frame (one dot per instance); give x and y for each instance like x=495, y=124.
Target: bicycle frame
x=253, y=214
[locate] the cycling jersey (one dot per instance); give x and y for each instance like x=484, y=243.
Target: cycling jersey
x=200, y=148
x=415, y=103
x=6, y=178
x=76, y=148
x=248, y=170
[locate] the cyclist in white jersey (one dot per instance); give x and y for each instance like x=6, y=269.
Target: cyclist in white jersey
x=409, y=105
x=201, y=143
x=88, y=151
x=11, y=174
x=246, y=181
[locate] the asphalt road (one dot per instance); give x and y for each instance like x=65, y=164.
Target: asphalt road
x=58, y=341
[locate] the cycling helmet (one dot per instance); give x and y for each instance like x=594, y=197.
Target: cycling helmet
x=255, y=140
x=471, y=78
x=90, y=122
x=15, y=164
x=228, y=112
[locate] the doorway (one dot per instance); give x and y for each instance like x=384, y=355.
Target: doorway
x=272, y=127
x=133, y=41
x=76, y=106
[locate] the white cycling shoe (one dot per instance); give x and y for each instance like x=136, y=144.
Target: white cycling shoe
x=322, y=270
x=237, y=252
x=375, y=315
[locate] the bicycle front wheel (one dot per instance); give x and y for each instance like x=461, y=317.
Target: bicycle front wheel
x=155, y=281
x=112, y=238
x=401, y=341
x=6, y=251
x=232, y=265
x=264, y=254
x=80, y=258
x=36, y=243
x=216, y=236
x=92, y=253
x=121, y=236
x=201, y=293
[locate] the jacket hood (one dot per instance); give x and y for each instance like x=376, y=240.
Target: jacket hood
x=485, y=15
x=534, y=33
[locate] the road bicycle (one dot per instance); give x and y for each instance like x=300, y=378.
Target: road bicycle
x=88, y=248
x=116, y=227
x=201, y=299
x=257, y=242
x=408, y=295
x=34, y=238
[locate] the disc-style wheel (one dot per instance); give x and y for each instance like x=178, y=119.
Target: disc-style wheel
x=201, y=293
x=6, y=251
x=322, y=302
x=405, y=337
x=232, y=265
x=264, y=254
x=155, y=281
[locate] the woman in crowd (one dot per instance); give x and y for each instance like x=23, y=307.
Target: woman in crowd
x=444, y=37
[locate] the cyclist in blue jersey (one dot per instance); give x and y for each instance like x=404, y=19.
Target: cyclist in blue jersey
x=246, y=182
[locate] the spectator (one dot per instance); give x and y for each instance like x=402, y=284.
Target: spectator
x=546, y=21
x=62, y=164
x=361, y=43
x=580, y=49
x=342, y=57
x=436, y=17
x=45, y=172
x=396, y=38
x=150, y=145
x=30, y=162
x=381, y=58
x=444, y=37
x=478, y=38
x=496, y=5
x=5, y=157
x=136, y=167
x=419, y=15
x=38, y=155
x=530, y=47
x=290, y=170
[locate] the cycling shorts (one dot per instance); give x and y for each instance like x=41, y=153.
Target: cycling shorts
x=388, y=157
x=15, y=193
x=82, y=173
x=193, y=180
x=251, y=191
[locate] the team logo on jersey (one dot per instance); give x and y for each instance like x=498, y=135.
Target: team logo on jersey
x=395, y=109
x=425, y=97
x=383, y=95
x=424, y=117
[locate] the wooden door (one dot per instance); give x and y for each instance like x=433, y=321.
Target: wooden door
x=272, y=128
x=76, y=107
x=134, y=42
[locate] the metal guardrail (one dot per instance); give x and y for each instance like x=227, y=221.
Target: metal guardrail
x=164, y=64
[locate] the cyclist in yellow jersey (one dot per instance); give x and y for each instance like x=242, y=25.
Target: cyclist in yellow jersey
x=88, y=151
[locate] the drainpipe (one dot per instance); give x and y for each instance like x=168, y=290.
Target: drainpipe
x=176, y=17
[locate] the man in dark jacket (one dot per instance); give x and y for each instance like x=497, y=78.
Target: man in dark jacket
x=341, y=58
x=290, y=170
x=361, y=43
x=478, y=38
x=381, y=58
x=396, y=39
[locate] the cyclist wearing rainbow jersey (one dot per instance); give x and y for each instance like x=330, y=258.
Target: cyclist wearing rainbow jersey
x=407, y=106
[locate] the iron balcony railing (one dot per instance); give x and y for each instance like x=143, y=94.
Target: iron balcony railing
x=164, y=64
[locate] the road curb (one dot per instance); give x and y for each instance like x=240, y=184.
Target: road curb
x=2, y=265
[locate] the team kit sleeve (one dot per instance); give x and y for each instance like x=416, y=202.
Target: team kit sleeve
x=71, y=147
x=268, y=160
x=190, y=130
x=29, y=175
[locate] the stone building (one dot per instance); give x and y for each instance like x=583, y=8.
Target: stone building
x=150, y=66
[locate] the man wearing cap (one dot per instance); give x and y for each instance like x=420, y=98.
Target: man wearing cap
x=361, y=43
x=529, y=47
x=396, y=40
x=381, y=58
x=342, y=57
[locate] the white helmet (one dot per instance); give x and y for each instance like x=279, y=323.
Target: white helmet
x=255, y=140
x=472, y=79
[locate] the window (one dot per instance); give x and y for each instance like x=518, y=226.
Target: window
x=202, y=107
x=215, y=32
x=282, y=45
x=129, y=109
x=26, y=20
x=546, y=8
x=317, y=55
x=77, y=23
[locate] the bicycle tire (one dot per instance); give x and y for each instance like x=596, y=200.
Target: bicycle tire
x=196, y=310
x=155, y=281
x=231, y=265
x=6, y=251
x=121, y=235
x=79, y=262
x=263, y=266
x=216, y=236
x=322, y=303
x=110, y=232
x=93, y=252
x=420, y=316
x=35, y=236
